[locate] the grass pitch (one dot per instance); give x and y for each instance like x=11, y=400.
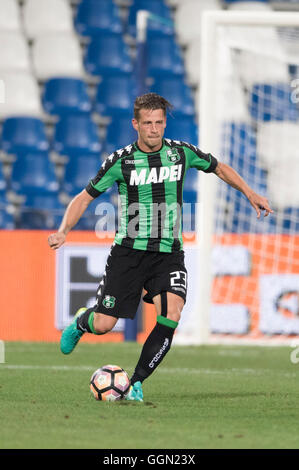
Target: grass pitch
x=208, y=397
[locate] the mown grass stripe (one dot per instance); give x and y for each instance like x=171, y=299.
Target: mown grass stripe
x=164, y=370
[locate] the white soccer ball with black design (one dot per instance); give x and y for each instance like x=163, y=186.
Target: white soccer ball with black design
x=109, y=383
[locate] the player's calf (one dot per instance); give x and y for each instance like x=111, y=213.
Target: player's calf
x=96, y=323
x=85, y=321
x=155, y=348
x=158, y=343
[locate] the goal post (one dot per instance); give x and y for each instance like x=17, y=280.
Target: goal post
x=247, y=270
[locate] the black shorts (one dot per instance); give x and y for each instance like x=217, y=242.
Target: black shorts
x=129, y=271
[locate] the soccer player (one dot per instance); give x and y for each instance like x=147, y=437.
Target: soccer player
x=147, y=252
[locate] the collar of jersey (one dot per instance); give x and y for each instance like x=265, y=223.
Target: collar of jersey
x=149, y=153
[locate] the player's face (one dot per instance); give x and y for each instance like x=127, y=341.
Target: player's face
x=150, y=127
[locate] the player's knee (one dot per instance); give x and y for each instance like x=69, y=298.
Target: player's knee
x=174, y=309
x=174, y=315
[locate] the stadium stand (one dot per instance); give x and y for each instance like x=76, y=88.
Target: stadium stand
x=42, y=17
x=177, y=91
x=33, y=173
x=22, y=96
x=156, y=7
x=101, y=206
x=107, y=53
x=78, y=171
x=75, y=134
x=94, y=17
x=180, y=127
x=74, y=61
x=272, y=102
x=164, y=56
x=6, y=217
x=41, y=211
x=7, y=221
x=57, y=54
x=115, y=95
x=14, y=52
x=21, y=135
x=2, y=184
x=10, y=18
x=64, y=95
x=119, y=133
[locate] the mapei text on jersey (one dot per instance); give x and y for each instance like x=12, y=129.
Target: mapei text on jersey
x=156, y=175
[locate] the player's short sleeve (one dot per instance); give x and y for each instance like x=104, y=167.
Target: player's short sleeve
x=105, y=178
x=200, y=160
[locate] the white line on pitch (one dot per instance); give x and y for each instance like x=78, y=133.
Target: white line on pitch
x=164, y=370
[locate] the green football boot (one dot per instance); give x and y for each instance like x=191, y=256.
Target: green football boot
x=71, y=334
x=135, y=392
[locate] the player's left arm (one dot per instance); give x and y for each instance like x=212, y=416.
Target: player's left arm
x=231, y=177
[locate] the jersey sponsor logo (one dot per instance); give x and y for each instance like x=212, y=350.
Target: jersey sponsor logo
x=173, y=155
x=156, y=175
x=134, y=162
x=109, y=301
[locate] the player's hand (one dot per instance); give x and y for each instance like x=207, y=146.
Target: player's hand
x=260, y=203
x=55, y=240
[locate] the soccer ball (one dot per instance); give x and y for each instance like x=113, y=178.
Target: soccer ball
x=109, y=383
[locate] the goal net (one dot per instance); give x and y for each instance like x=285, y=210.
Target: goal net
x=248, y=281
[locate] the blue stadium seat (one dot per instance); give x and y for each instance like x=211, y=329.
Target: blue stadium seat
x=65, y=95
x=2, y=179
x=182, y=128
x=115, y=95
x=33, y=173
x=241, y=138
x=244, y=219
x=120, y=133
x=24, y=134
x=107, y=53
x=156, y=7
x=41, y=212
x=89, y=219
x=164, y=56
x=189, y=200
x=240, y=217
x=6, y=220
x=78, y=172
x=76, y=134
x=175, y=90
x=3, y=200
x=291, y=220
x=273, y=103
x=190, y=183
x=240, y=148
x=94, y=16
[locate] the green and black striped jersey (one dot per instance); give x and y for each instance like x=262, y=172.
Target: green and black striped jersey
x=151, y=192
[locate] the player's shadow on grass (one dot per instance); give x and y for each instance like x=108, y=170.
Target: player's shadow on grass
x=221, y=395
x=201, y=396
x=229, y=395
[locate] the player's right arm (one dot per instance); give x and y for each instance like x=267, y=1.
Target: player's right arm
x=109, y=173
x=74, y=211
